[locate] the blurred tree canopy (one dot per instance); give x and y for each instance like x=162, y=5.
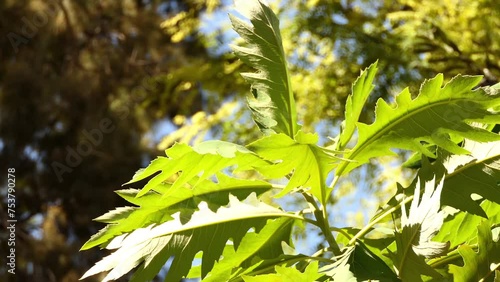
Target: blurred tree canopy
x=85, y=86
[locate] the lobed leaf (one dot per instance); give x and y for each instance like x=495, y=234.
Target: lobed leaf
x=481, y=265
x=272, y=101
x=307, y=163
x=361, y=89
x=461, y=228
x=205, y=231
x=476, y=173
x=419, y=226
x=153, y=208
x=184, y=163
x=433, y=117
x=266, y=244
x=288, y=274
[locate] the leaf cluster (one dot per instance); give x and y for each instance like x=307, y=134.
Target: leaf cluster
x=214, y=224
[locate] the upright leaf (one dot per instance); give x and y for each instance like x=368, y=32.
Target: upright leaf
x=361, y=89
x=432, y=118
x=272, y=102
x=481, y=265
x=205, y=231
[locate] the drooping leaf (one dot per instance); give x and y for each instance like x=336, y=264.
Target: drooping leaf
x=288, y=274
x=307, y=163
x=206, y=158
x=361, y=89
x=431, y=118
x=205, y=231
x=418, y=227
x=481, y=264
x=153, y=208
x=272, y=101
x=263, y=245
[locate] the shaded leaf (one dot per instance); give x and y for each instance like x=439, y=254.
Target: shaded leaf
x=477, y=173
x=288, y=274
x=419, y=226
x=480, y=265
x=461, y=227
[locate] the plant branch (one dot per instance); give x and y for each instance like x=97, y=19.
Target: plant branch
x=323, y=224
x=367, y=228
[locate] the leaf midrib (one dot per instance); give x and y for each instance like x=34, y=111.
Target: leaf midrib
x=384, y=130
x=263, y=215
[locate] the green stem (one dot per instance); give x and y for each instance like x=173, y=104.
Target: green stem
x=367, y=228
x=449, y=258
x=289, y=262
x=323, y=224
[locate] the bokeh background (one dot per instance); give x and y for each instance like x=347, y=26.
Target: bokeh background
x=91, y=91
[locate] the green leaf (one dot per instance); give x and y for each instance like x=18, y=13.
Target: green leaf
x=206, y=158
x=308, y=163
x=288, y=274
x=480, y=265
x=477, y=173
x=460, y=228
x=431, y=118
x=362, y=264
x=205, y=231
x=414, y=241
x=361, y=89
x=465, y=175
x=368, y=266
x=272, y=102
x=265, y=244
x=156, y=209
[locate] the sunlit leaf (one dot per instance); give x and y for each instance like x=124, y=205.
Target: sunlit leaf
x=203, y=160
x=307, y=163
x=153, y=208
x=272, y=101
x=361, y=89
x=436, y=114
x=205, y=231
x=263, y=245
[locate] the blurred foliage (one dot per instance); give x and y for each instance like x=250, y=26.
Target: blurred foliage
x=65, y=66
